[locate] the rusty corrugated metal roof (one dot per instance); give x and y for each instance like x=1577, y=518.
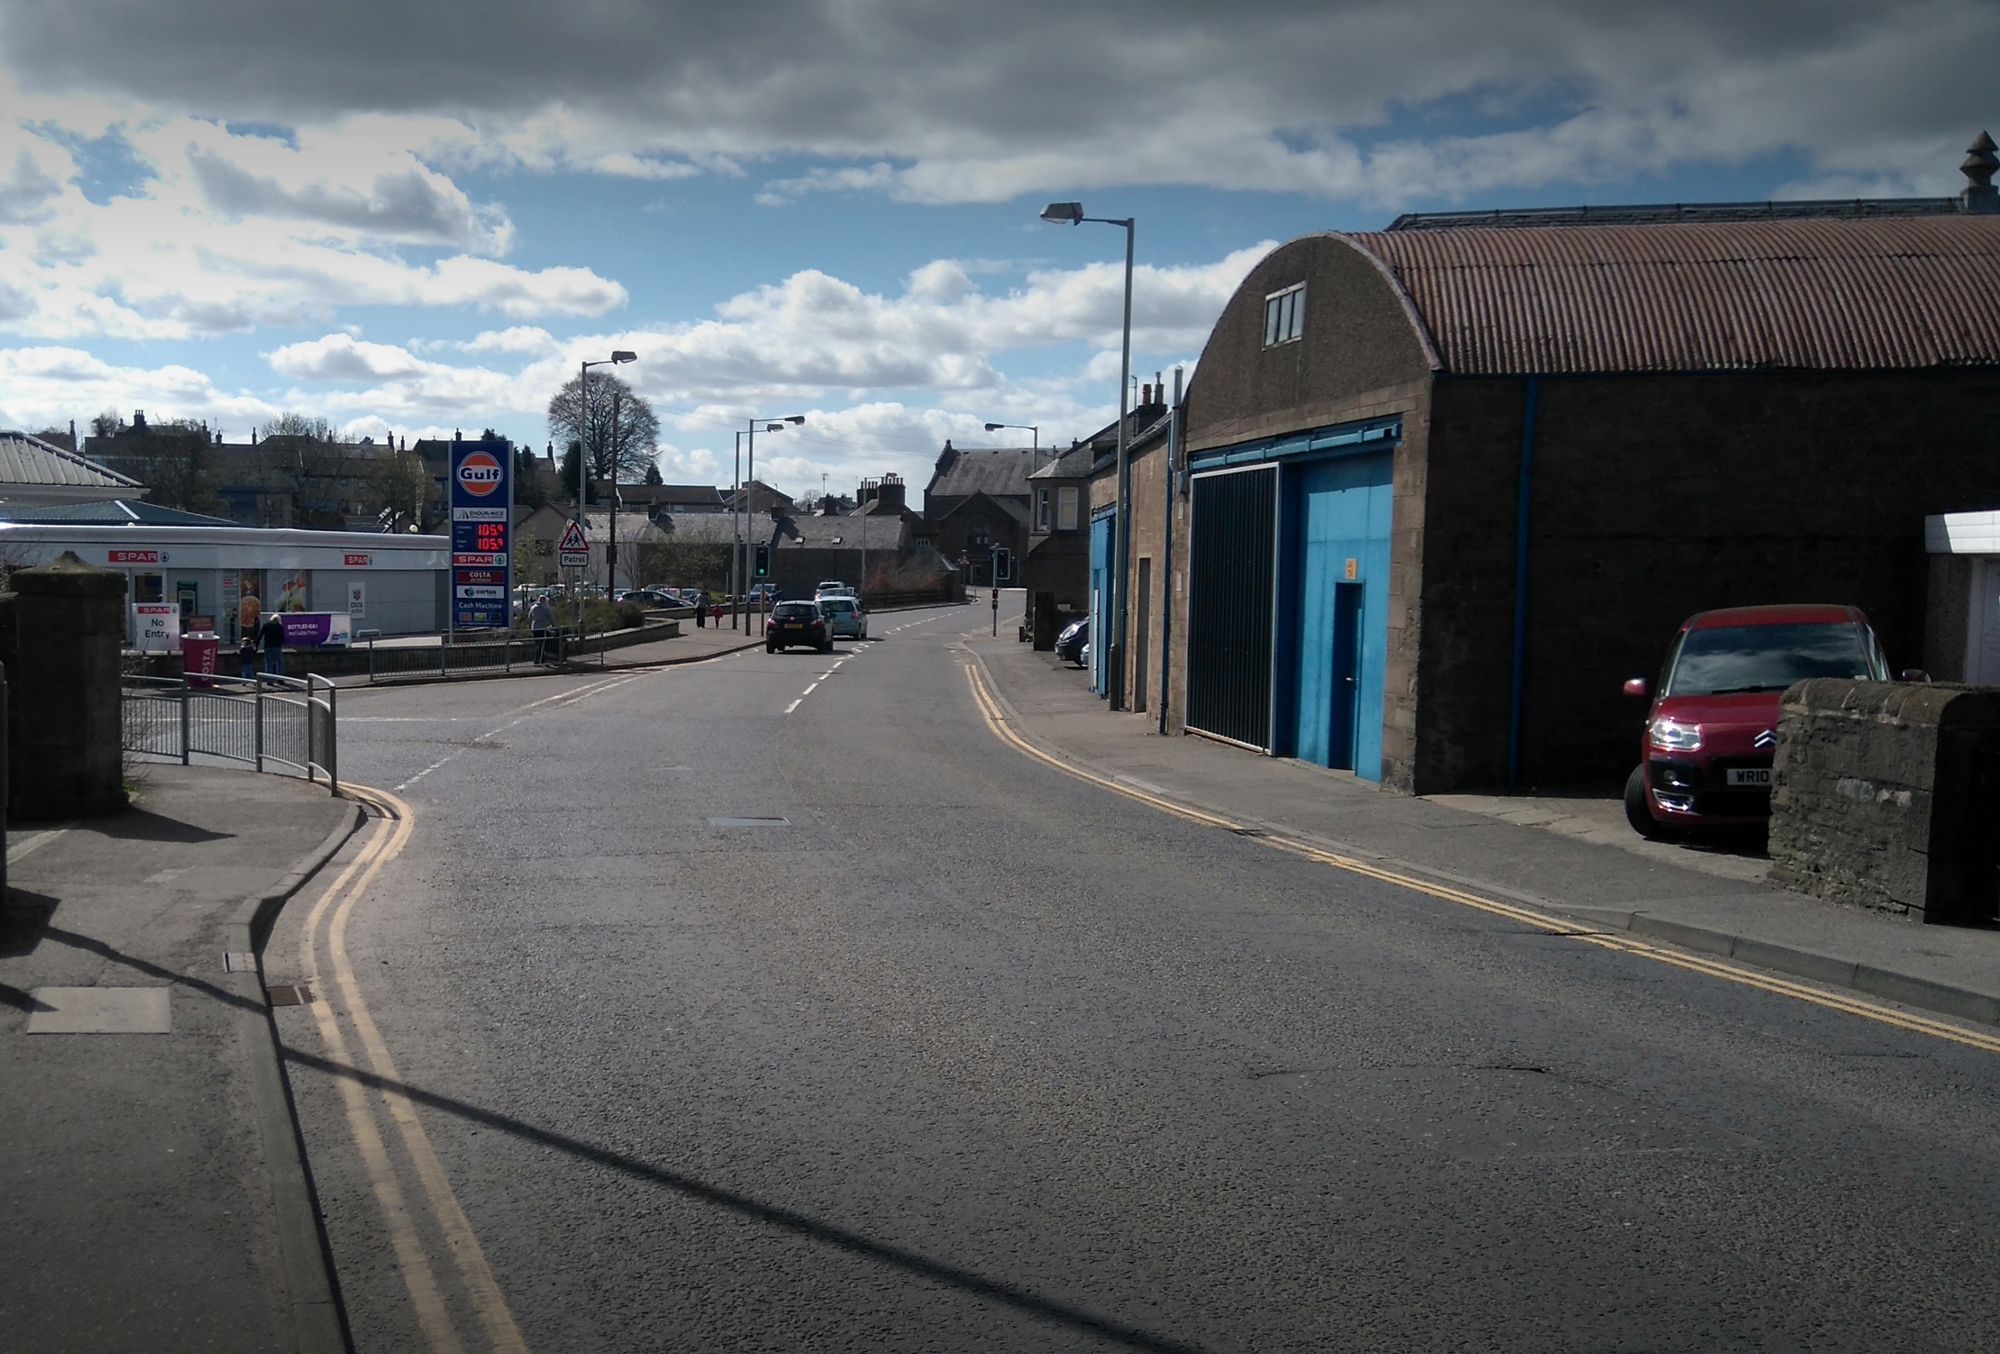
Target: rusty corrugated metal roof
x=1815, y=294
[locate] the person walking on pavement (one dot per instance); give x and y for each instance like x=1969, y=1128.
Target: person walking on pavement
x=541, y=620
x=272, y=632
x=246, y=655
x=701, y=608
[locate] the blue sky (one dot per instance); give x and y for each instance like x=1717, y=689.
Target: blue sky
x=430, y=238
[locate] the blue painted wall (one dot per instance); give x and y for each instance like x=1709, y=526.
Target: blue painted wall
x=1339, y=510
x=1100, y=599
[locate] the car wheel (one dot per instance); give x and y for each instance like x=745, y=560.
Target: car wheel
x=1638, y=812
x=770, y=648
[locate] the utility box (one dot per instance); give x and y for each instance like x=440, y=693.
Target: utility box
x=1886, y=795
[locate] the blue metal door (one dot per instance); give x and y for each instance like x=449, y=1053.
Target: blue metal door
x=1100, y=597
x=1341, y=517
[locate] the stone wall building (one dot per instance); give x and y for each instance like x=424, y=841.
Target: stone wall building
x=1446, y=485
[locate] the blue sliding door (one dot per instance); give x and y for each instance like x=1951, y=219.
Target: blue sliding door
x=1340, y=512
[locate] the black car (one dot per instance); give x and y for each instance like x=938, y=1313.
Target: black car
x=794, y=623
x=1071, y=642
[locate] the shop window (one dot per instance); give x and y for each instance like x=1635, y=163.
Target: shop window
x=148, y=588
x=1067, y=499
x=1285, y=316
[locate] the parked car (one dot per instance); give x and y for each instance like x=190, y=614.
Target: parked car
x=1072, y=643
x=761, y=593
x=796, y=623
x=833, y=585
x=845, y=615
x=1712, y=730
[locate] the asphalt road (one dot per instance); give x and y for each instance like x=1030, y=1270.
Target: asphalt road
x=970, y=1055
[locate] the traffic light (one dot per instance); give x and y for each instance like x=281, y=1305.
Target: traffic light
x=1003, y=564
x=763, y=562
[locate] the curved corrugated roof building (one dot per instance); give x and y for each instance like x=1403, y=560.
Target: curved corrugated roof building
x=1806, y=294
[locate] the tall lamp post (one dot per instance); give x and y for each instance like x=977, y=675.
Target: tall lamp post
x=1071, y=213
x=583, y=452
x=743, y=537
x=1035, y=439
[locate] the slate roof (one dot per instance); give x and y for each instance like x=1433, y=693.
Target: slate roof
x=993, y=473
x=110, y=512
x=1809, y=293
x=1073, y=464
x=25, y=459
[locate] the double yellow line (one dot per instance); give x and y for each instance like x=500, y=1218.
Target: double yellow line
x=391, y=832
x=1001, y=725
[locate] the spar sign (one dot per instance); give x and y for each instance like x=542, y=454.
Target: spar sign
x=482, y=546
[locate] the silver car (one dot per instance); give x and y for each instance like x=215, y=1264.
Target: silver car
x=846, y=617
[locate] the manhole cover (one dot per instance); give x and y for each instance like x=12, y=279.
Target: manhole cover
x=749, y=822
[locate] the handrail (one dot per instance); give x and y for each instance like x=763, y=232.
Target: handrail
x=250, y=720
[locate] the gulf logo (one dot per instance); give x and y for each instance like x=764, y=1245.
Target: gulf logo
x=479, y=474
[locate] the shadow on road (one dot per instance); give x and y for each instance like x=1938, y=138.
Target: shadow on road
x=799, y=1224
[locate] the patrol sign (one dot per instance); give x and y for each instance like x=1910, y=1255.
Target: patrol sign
x=574, y=550
x=482, y=531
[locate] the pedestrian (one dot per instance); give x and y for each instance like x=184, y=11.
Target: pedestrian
x=272, y=633
x=541, y=621
x=700, y=608
x=246, y=654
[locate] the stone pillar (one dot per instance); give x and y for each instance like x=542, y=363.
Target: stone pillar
x=64, y=737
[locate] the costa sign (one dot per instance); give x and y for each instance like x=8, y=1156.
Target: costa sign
x=480, y=473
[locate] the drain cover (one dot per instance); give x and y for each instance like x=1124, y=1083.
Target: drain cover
x=749, y=822
x=290, y=996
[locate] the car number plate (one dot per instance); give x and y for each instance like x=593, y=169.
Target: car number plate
x=1753, y=777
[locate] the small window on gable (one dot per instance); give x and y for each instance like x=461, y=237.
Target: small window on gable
x=1285, y=316
x=1066, y=505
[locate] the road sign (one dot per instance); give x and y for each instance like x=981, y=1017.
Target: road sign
x=482, y=545
x=573, y=550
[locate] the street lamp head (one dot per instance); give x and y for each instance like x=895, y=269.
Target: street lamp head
x=624, y=357
x=995, y=427
x=795, y=418
x=1063, y=213
x=774, y=427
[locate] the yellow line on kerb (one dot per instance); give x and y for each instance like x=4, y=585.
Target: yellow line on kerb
x=1001, y=726
x=396, y=823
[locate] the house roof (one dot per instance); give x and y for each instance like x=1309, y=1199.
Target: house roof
x=1811, y=293
x=688, y=495
x=1003, y=472
x=1073, y=464
x=981, y=502
x=110, y=512
x=28, y=460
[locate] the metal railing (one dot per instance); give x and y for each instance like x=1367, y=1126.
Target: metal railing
x=264, y=722
x=467, y=659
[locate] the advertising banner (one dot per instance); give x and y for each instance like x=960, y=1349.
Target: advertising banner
x=482, y=501
x=317, y=627
x=156, y=627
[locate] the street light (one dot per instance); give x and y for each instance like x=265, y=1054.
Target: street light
x=743, y=488
x=1035, y=440
x=618, y=355
x=1071, y=213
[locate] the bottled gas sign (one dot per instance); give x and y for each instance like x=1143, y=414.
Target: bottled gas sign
x=482, y=558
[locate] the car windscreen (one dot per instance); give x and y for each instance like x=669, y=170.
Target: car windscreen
x=1729, y=658
x=795, y=611
x=836, y=606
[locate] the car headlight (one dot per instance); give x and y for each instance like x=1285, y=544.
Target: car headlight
x=1673, y=736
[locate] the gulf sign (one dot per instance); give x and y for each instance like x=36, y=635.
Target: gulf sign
x=480, y=474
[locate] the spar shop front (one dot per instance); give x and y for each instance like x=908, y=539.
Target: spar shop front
x=392, y=585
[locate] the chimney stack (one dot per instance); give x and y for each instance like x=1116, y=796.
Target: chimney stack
x=1980, y=163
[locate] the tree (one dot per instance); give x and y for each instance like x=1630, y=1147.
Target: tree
x=293, y=424
x=301, y=453
x=175, y=461
x=404, y=487
x=635, y=438
x=566, y=476
x=653, y=473
x=530, y=478
x=106, y=424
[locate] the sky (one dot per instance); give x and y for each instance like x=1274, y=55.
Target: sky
x=420, y=217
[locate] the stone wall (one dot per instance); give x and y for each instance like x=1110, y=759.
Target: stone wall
x=60, y=641
x=1884, y=797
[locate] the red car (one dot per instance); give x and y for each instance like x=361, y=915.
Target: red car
x=1713, y=728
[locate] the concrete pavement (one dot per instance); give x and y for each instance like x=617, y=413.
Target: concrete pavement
x=154, y=1193
x=1576, y=856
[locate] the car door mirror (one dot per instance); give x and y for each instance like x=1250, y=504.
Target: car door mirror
x=1635, y=686
x=1916, y=675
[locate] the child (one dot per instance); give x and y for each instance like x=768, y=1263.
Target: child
x=246, y=654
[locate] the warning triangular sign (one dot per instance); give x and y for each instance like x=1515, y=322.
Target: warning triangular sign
x=572, y=538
